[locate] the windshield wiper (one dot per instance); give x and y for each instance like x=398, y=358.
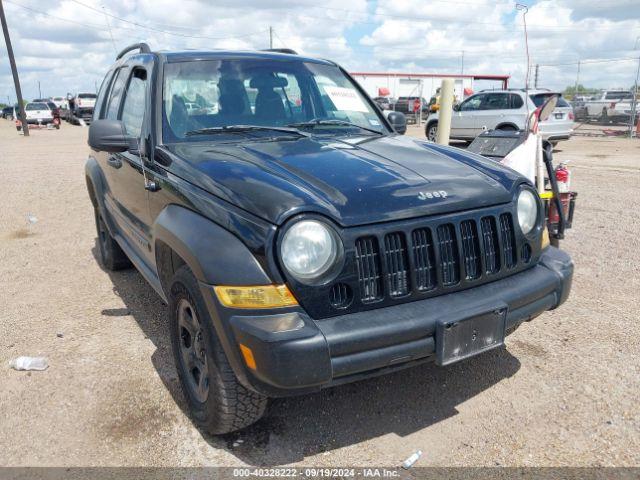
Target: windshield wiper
x=332, y=121
x=242, y=128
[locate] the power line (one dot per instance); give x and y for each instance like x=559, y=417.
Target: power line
x=414, y=18
x=158, y=30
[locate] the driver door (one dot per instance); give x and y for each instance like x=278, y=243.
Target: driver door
x=125, y=171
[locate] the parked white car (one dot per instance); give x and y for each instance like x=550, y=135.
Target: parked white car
x=610, y=105
x=504, y=110
x=38, y=112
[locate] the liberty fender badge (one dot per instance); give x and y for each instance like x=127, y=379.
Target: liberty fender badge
x=430, y=195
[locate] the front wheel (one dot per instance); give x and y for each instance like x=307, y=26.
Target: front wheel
x=432, y=131
x=218, y=402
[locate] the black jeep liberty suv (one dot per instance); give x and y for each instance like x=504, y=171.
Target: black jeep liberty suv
x=300, y=241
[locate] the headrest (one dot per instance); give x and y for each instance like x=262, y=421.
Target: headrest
x=268, y=81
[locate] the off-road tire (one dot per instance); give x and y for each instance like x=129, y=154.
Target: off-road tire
x=228, y=406
x=111, y=255
x=428, y=131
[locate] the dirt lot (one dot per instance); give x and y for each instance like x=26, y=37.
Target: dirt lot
x=563, y=392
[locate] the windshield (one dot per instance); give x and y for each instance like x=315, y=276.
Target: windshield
x=36, y=106
x=201, y=95
x=618, y=96
x=87, y=95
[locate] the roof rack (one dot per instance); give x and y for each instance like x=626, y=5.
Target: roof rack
x=143, y=47
x=281, y=50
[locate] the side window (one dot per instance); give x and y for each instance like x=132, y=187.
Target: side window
x=97, y=111
x=516, y=101
x=495, y=101
x=472, y=103
x=134, y=105
x=116, y=93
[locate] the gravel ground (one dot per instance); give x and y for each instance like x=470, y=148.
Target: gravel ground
x=563, y=392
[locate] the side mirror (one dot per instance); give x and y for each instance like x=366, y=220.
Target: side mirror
x=398, y=121
x=456, y=107
x=109, y=136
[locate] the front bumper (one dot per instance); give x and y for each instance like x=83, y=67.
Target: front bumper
x=346, y=348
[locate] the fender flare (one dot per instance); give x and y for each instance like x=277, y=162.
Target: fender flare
x=214, y=255
x=96, y=187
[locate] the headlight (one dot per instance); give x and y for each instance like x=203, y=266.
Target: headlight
x=527, y=211
x=309, y=249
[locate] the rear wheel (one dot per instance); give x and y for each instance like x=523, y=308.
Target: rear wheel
x=111, y=255
x=432, y=131
x=218, y=402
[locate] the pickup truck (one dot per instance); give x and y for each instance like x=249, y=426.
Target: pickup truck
x=81, y=108
x=610, y=106
x=300, y=241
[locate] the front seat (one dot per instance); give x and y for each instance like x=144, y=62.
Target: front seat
x=269, y=105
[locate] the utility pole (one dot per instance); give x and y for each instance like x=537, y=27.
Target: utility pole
x=39, y=91
x=270, y=36
x=462, y=64
x=634, y=104
x=535, y=81
x=14, y=71
x=575, y=88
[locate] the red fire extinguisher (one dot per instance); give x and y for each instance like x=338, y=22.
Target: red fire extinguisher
x=563, y=177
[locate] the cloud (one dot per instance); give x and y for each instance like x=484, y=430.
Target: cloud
x=69, y=47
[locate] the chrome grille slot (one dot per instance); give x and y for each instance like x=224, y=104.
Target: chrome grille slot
x=508, y=241
x=491, y=245
x=397, y=265
x=424, y=259
x=368, y=265
x=470, y=249
x=449, y=259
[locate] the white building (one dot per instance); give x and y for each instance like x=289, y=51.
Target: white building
x=394, y=84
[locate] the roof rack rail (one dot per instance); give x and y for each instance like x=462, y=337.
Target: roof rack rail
x=143, y=47
x=281, y=50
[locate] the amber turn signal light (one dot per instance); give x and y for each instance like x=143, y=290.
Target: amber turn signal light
x=262, y=296
x=248, y=357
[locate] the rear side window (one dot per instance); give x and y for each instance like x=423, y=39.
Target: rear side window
x=495, y=101
x=97, y=111
x=515, y=101
x=134, y=103
x=87, y=95
x=116, y=93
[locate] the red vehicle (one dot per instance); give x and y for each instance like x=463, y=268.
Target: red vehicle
x=55, y=113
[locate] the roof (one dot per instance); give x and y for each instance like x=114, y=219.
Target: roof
x=186, y=55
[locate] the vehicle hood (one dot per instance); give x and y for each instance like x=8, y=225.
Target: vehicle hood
x=354, y=181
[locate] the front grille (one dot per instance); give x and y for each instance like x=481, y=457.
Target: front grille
x=470, y=249
x=491, y=245
x=368, y=265
x=397, y=265
x=424, y=259
x=449, y=261
x=508, y=241
x=440, y=256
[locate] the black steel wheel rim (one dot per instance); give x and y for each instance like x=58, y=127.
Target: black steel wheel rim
x=193, y=351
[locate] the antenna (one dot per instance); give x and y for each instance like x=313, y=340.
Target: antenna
x=524, y=8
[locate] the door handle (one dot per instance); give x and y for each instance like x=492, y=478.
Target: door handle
x=114, y=162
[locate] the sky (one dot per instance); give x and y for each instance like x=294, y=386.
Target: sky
x=68, y=45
